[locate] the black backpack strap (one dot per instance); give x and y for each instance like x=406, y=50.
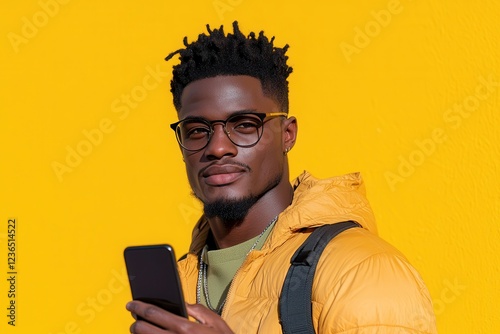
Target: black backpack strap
x=295, y=309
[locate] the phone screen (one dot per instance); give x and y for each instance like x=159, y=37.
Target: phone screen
x=153, y=277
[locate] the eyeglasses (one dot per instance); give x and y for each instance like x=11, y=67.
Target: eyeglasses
x=243, y=129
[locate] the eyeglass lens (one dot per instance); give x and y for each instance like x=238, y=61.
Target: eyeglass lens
x=242, y=129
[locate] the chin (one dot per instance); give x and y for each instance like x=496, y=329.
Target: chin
x=223, y=193
x=231, y=211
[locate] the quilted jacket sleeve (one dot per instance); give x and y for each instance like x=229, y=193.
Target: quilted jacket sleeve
x=381, y=294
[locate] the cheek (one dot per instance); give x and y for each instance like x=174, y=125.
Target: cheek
x=271, y=138
x=268, y=157
x=270, y=145
x=191, y=171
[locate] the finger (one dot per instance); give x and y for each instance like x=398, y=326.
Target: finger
x=155, y=315
x=132, y=314
x=143, y=327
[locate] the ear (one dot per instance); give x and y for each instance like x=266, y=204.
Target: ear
x=290, y=129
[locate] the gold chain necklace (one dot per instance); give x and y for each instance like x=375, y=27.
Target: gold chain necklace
x=202, y=273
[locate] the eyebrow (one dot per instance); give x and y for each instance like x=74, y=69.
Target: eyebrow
x=238, y=112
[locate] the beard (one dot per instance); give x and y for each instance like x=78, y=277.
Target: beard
x=231, y=212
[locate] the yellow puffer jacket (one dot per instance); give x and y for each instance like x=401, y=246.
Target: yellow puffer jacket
x=362, y=284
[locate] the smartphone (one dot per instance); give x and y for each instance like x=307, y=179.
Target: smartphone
x=153, y=277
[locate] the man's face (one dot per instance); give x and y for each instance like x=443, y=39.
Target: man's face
x=223, y=171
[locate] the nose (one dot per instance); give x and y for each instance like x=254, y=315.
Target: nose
x=219, y=144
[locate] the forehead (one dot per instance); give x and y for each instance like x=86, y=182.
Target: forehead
x=220, y=96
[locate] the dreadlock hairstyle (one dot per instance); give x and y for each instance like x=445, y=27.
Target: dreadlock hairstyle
x=235, y=54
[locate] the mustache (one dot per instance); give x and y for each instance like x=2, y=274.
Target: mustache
x=225, y=163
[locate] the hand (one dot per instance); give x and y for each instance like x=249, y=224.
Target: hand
x=166, y=322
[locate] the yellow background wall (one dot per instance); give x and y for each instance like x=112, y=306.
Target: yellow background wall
x=407, y=92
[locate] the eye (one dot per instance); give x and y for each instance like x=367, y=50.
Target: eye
x=194, y=131
x=244, y=124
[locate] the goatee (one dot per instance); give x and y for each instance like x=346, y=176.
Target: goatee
x=232, y=212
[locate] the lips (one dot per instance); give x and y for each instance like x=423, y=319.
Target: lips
x=219, y=175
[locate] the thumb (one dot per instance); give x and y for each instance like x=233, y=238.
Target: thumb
x=208, y=318
x=202, y=314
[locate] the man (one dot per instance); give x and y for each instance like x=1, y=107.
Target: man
x=231, y=95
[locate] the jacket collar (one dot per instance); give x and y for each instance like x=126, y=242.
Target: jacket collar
x=315, y=202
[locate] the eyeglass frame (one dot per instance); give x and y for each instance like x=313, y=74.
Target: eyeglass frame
x=261, y=115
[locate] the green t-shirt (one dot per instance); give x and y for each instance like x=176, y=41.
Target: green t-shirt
x=222, y=265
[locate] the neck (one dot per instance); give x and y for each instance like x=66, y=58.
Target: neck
x=259, y=216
